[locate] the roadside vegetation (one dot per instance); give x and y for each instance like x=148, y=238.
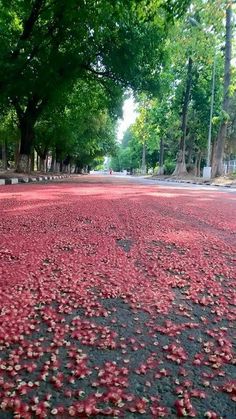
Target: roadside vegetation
x=65, y=70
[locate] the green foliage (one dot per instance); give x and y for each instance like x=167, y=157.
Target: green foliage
x=9, y=134
x=52, y=44
x=48, y=48
x=169, y=166
x=197, y=35
x=79, y=128
x=64, y=69
x=127, y=158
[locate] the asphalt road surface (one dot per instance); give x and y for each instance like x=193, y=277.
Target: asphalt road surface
x=117, y=299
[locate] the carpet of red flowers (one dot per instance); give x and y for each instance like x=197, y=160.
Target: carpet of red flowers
x=117, y=300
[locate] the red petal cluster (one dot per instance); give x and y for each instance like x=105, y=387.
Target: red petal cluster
x=88, y=328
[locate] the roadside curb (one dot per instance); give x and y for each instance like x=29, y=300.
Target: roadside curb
x=192, y=182
x=30, y=179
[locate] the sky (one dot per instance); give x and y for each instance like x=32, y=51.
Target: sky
x=129, y=116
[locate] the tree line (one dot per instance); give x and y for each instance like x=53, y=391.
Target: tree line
x=192, y=120
x=64, y=68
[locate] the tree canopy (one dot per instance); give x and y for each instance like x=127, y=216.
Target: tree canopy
x=64, y=67
x=177, y=122
x=47, y=46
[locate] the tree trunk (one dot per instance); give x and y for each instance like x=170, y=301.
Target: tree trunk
x=59, y=163
x=161, y=158
x=180, y=168
x=144, y=168
x=57, y=167
x=198, y=166
x=38, y=162
x=190, y=151
x=217, y=161
x=42, y=164
x=23, y=163
x=4, y=154
x=16, y=153
x=53, y=163
x=26, y=142
x=78, y=169
x=32, y=162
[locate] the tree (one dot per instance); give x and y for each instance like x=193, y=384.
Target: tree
x=49, y=45
x=141, y=129
x=218, y=152
x=127, y=155
x=194, y=42
x=80, y=127
x=180, y=164
x=9, y=136
x=177, y=120
x=230, y=147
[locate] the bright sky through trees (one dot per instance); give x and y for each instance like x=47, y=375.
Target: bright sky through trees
x=129, y=117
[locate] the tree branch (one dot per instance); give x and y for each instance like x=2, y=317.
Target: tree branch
x=19, y=111
x=29, y=25
x=106, y=74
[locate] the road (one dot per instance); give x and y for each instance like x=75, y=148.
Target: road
x=117, y=299
x=147, y=180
